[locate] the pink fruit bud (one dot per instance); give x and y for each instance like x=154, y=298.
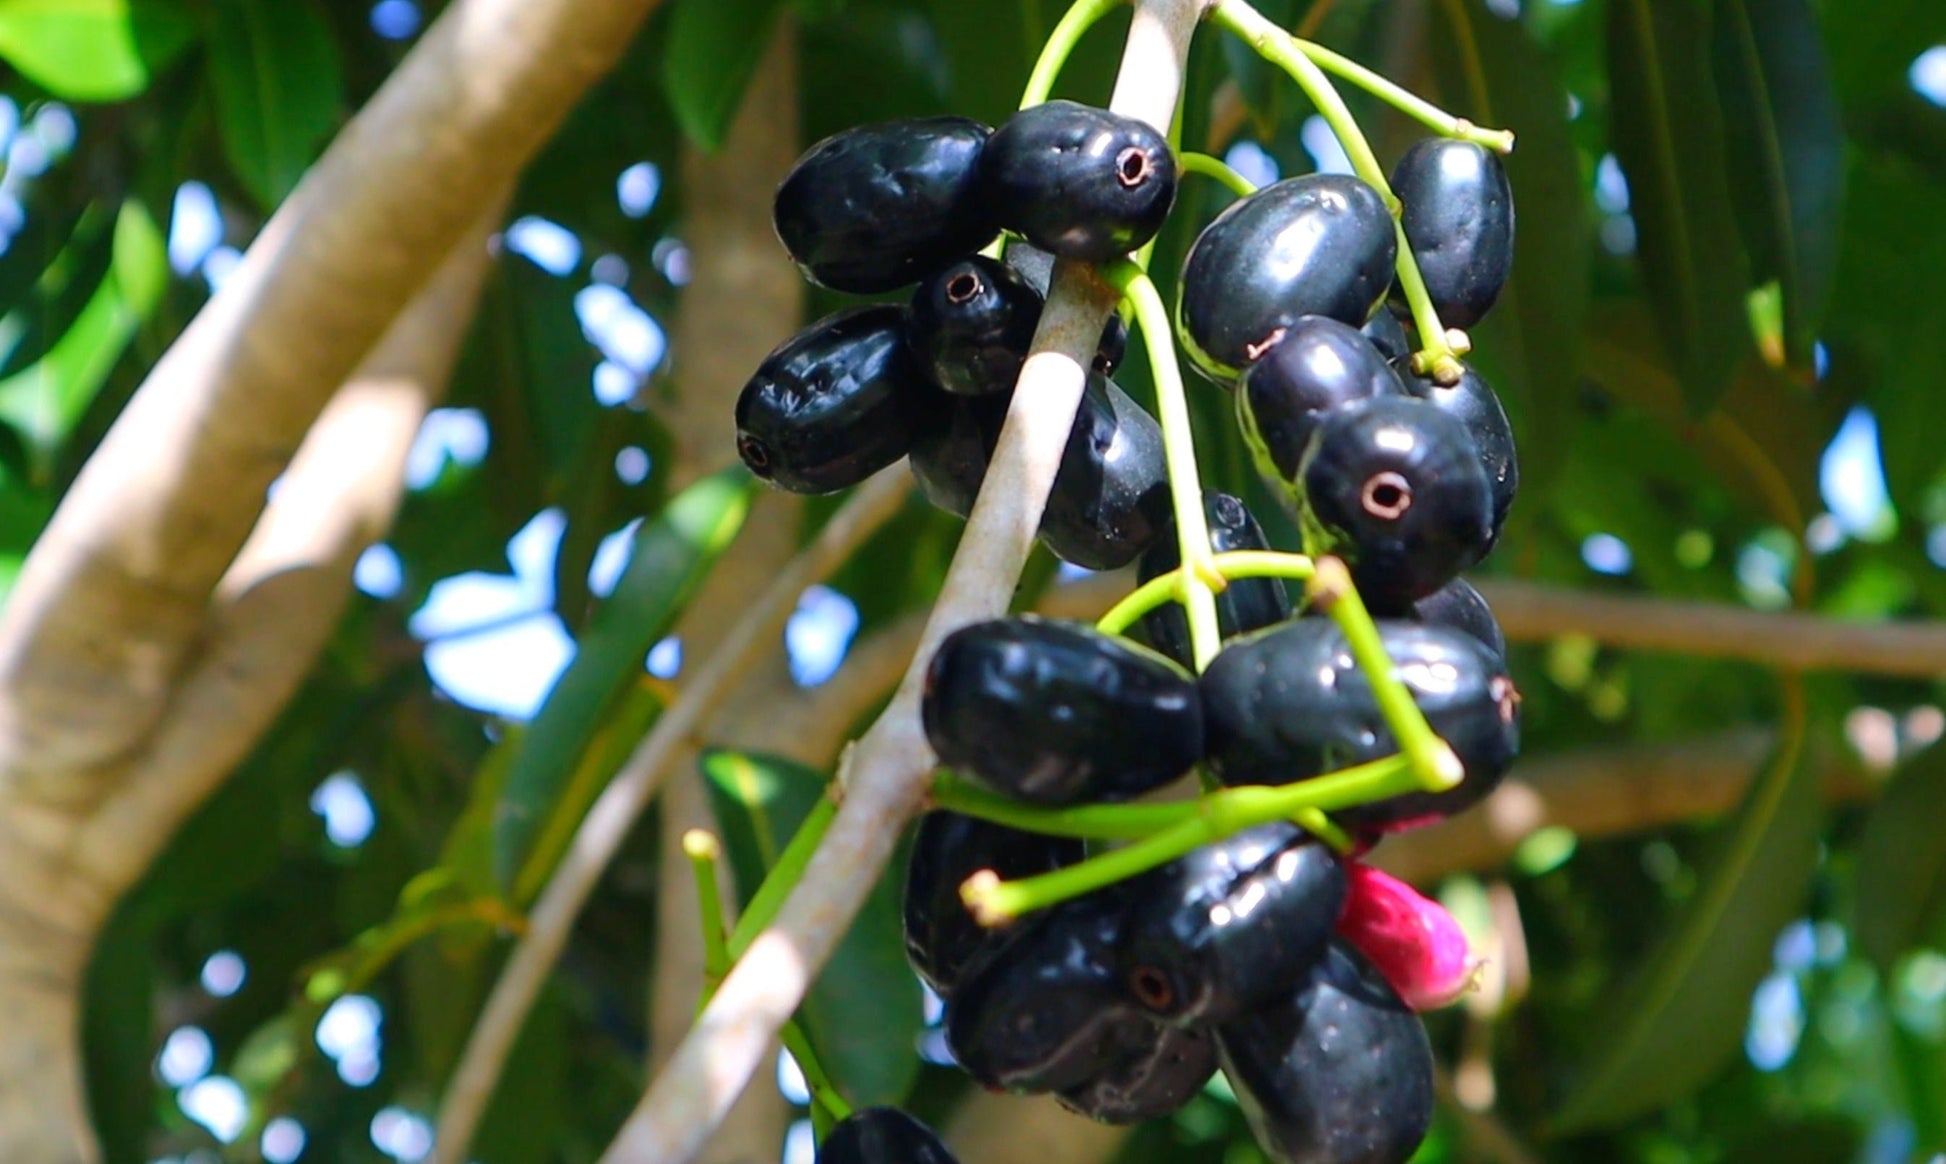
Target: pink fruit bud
x=1409, y=938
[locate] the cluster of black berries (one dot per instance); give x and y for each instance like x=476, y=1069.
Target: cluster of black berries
x=1294, y=969
x=881, y=207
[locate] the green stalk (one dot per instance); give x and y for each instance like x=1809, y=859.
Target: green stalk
x=705, y=852
x=1232, y=565
x=783, y=876
x=1088, y=821
x=1200, y=578
x=1078, y=19
x=1190, y=162
x=1411, y=104
x=1216, y=816
x=1439, y=351
x=1331, y=590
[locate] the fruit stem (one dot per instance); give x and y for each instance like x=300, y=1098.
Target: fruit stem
x=1166, y=587
x=1439, y=351
x=1079, y=18
x=783, y=876
x=1199, y=578
x=1332, y=592
x=1213, y=817
x=705, y=852
x=1191, y=162
x=1124, y=822
x=1405, y=101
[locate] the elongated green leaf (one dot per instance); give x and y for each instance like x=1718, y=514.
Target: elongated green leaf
x=1529, y=346
x=1786, y=155
x=668, y=559
x=44, y=401
x=863, y=1013
x=714, y=47
x=1901, y=864
x=92, y=50
x=66, y=284
x=274, y=70
x=1668, y=137
x=1683, y=1017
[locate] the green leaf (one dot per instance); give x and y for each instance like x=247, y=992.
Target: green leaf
x=863, y=1013
x=1901, y=902
x=92, y=50
x=1667, y=134
x=1683, y=1017
x=61, y=290
x=1786, y=155
x=275, y=75
x=668, y=559
x=714, y=47
x=44, y=401
x=1529, y=347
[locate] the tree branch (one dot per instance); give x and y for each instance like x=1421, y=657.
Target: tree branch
x=273, y=610
x=601, y=832
x=883, y=777
x=114, y=597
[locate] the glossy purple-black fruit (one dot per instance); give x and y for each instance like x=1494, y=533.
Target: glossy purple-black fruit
x=1458, y=214
x=1394, y=486
x=1153, y=1078
x=1080, y=182
x=1318, y=367
x=882, y=206
x=1459, y=606
x=1057, y=712
x=1322, y=244
x=1110, y=499
x=1245, y=605
x=1339, y=1073
x=1037, y=267
x=1290, y=703
x=1388, y=336
x=882, y=1135
x=973, y=322
x=1047, y=1012
x=1474, y=404
x=941, y=937
x=835, y=403
x=1232, y=925
x=950, y=455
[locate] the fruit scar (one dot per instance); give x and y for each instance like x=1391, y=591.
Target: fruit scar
x=1411, y=940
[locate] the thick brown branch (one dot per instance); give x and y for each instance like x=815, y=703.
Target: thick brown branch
x=114, y=596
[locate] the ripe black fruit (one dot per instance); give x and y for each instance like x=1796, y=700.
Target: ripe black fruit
x=1459, y=606
x=835, y=403
x=880, y=206
x=882, y=1135
x=1047, y=1012
x=1231, y=926
x=1290, y=703
x=1318, y=366
x=1245, y=605
x=941, y=937
x=1080, y=182
x=1110, y=499
x=1388, y=336
x=1458, y=216
x=950, y=455
x=1341, y=1073
x=1155, y=1076
x=1055, y=713
x=973, y=322
x=1395, y=487
x=1474, y=404
x=1322, y=244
